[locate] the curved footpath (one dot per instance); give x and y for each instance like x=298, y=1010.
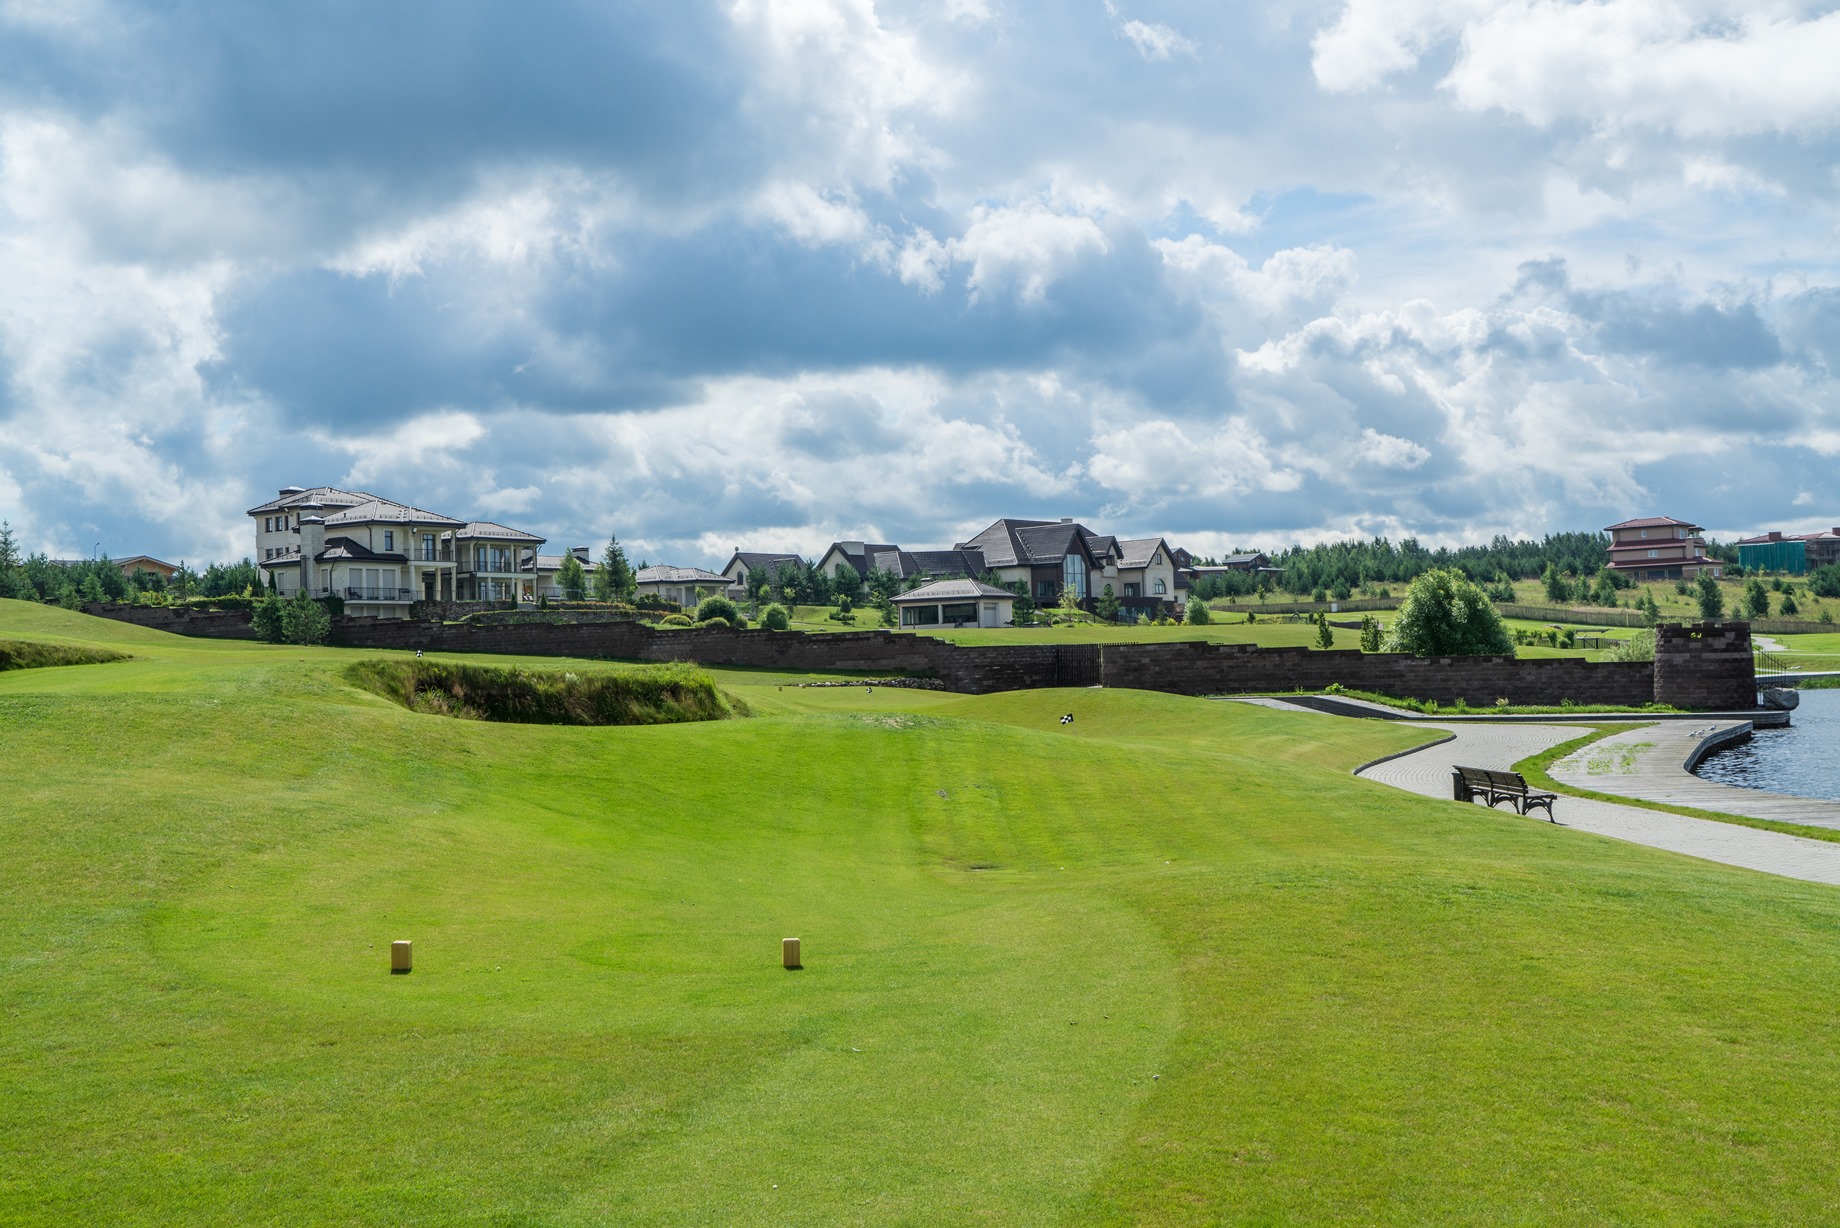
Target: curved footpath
x=1427, y=771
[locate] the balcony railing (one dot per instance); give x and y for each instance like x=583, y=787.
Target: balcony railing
x=379, y=594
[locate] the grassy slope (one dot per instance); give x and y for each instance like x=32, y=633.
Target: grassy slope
x=1361, y=1005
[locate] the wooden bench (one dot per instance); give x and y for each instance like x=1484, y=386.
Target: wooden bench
x=1469, y=783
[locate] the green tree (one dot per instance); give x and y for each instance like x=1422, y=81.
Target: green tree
x=13, y=582
x=1325, y=635
x=1651, y=609
x=1108, y=604
x=1558, y=588
x=1023, y=611
x=1197, y=613
x=1789, y=609
x=1070, y=599
x=1445, y=615
x=266, y=621
x=1370, y=633
x=572, y=578
x=1604, y=591
x=1756, y=599
x=1711, y=600
x=615, y=580
x=775, y=618
x=1825, y=581
x=756, y=583
x=846, y=581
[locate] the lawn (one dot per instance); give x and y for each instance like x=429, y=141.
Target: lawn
x=1168, y=964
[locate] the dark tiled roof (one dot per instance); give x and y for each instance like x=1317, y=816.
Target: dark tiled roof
x=1138, y=551
x=346, y=548
x=753, y=559
x=864, y=562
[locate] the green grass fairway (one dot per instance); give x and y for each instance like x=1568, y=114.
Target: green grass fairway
x=1171, y=964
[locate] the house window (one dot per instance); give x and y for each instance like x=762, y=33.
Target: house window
x=1644, y=532
x=1044, y=590
x=1160, y=588
x=1073, y=574
x=389, y=539
x=1133, y=590
x=1654, y=554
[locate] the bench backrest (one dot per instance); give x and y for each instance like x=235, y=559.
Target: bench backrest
x=1488, y=778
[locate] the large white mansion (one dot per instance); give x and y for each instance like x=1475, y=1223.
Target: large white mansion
x=379, y=556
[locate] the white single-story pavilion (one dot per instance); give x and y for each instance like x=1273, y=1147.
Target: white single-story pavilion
x=685, y=585
x=956, y=603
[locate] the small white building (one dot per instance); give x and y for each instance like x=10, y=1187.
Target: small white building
x=687, y=586
x=956, y=603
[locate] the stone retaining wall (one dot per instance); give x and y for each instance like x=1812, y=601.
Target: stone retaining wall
x=1706, y=667
x=206, y=624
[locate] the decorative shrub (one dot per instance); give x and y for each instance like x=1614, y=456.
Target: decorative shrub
x=719, y=607
x=675, y=620
x=775, y=618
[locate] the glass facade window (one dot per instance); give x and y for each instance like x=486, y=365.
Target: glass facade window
x=963, y=612
x=1073, y=574
x=919, y=615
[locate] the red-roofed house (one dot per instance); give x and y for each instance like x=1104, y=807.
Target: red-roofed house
x=1660, y=548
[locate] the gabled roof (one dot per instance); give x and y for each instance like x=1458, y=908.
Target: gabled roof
x=325, y=496
x=1138, y=551
x=142, y=558
x=752, y=559
x=1025, y=543
x=862, y=562
x=906, y=563
x=678, y=575
x=384, y=511
x=953, y=590
x=1653, y=522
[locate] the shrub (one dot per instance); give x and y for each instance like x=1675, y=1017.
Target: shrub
x=1197, y=614
x=774, y=617
x=266, y=621
x=1638, y=647
x=304, y=621
x=1445, y=615
x=1370, y=633
x=1789, y=609
x=1825, y=581
x=1757, y=599
x=716, y=606
x=663, y=695
x=675, y=620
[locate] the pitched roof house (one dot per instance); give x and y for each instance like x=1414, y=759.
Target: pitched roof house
x=1660, y=548
x=379, y=556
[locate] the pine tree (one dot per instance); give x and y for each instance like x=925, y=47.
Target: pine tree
x=1325, y=636
x=615, y=580
x=1711, y=600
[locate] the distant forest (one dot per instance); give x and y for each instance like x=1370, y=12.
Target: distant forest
x=1342, y=568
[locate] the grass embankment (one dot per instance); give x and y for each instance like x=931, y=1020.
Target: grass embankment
x=31, y=654
x=1167, y=964
x=663, y=695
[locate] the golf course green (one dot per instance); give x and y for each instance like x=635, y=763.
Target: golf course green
x=1168, y=964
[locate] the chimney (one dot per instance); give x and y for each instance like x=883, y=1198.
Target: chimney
x=292, y=490
x=1775, y=535
x=312, y=541
x=580, y=552
x=1066, y=520
x=851, y=547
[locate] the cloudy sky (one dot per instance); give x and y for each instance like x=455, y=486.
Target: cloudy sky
x=766, y=273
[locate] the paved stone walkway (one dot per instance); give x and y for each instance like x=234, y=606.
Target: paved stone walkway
x=1427, y=771
x=1651, y=764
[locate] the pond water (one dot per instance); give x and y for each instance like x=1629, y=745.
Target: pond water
x=1802, y=760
